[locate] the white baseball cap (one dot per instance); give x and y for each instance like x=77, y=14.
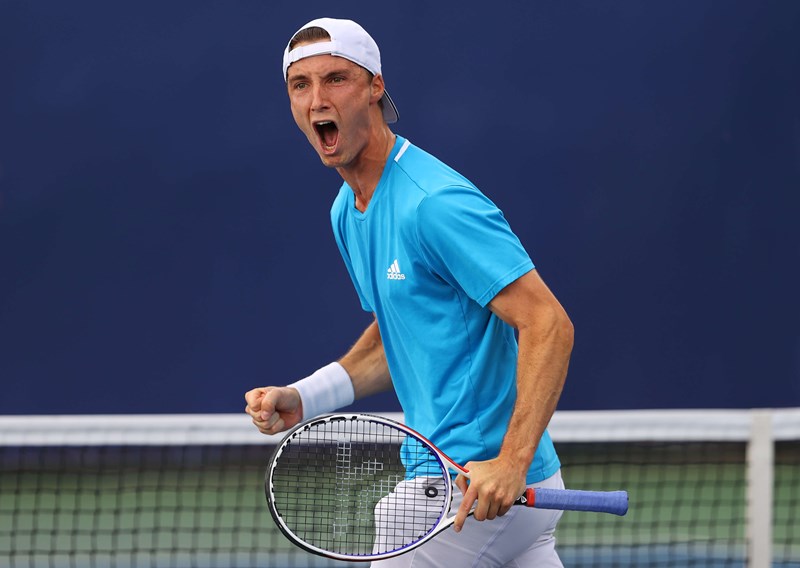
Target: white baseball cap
x=348, y=40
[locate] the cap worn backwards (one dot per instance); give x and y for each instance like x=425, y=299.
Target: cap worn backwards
x=350, y=41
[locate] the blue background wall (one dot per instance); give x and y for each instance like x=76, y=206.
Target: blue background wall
x=164, y=233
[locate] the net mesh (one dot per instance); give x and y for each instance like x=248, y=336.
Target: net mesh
x=188, y=491
x=787, y=503
x=687, y=504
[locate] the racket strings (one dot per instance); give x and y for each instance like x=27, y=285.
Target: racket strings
x=357, y=487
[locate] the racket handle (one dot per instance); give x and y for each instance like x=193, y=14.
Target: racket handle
x=614, y=502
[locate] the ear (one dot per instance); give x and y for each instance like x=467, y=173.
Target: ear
x=377, y=88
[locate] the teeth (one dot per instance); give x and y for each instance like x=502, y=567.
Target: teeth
x=324, y=122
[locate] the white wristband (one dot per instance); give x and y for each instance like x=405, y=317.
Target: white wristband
x=326, y=390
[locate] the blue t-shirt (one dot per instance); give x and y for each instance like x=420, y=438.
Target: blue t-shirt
x=427, y=256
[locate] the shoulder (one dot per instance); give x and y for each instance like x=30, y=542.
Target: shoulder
x=435, y=193
x=427, y=172
x=455, y=202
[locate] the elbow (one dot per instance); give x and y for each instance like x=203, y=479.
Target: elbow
x=559, y=328
x=566, y=331
x=562, y=335
x=551, y=327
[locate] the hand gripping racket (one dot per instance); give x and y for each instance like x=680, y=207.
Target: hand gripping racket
x=361, y=487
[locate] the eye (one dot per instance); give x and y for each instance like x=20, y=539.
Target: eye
x=337, y=79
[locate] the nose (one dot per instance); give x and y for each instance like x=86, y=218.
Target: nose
x=319, y=101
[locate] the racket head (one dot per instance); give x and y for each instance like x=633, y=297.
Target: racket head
x=358, y=487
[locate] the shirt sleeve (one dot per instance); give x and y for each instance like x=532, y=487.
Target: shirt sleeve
x=466, y=240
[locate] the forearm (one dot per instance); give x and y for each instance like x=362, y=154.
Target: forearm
x=544, y=349
x=544, y=352
x=366, y=364
x=361, y=372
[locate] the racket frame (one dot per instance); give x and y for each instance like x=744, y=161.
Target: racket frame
x=445, y=464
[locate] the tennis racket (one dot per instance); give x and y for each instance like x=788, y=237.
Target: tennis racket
x=361, y=487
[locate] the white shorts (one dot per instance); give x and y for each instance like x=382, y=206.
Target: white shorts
x=521, y=538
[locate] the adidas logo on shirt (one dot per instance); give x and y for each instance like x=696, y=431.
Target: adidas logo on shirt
x=393, y=273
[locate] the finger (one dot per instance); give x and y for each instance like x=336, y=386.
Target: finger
x=464, y=509
x=269, y=403
x=503, y=510
x=499, y=505
x=461, y=483
x=482, y=508
x=494, y=510
x=254, y=414
x=272, y=420
x=275, y=425
x=253, y=398
x=277, y=398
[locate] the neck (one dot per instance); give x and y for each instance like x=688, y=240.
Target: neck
x=364, y=173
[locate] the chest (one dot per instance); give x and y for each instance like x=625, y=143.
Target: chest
x=389, y=265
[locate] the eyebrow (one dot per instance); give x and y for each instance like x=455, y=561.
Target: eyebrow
x=304, y=77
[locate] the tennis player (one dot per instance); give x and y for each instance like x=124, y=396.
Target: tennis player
x=449, y=282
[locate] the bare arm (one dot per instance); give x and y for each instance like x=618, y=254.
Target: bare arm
x=275, y=409
x=366, y=364
x=545, y=345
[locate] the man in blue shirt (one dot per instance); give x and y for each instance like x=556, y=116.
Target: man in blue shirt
x=448, y=282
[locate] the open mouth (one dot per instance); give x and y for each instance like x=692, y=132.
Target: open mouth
x=328, y=134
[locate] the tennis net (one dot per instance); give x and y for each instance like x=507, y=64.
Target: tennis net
x=707, y=488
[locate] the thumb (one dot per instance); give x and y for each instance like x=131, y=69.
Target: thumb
x=281, y=399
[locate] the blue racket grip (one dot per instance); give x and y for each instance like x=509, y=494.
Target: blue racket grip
x=614, y=502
